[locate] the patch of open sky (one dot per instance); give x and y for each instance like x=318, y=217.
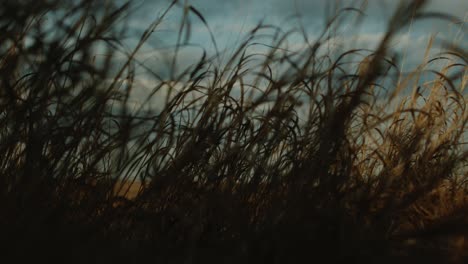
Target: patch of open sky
x=231, y=21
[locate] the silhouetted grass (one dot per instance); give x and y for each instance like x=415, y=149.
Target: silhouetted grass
x=268, y=158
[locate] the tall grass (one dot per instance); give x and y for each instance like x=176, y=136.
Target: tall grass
x=263, y=158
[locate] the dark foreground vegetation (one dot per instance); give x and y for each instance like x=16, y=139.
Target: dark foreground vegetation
x=279, y=157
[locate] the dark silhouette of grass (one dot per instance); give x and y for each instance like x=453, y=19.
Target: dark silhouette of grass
x=228, y=170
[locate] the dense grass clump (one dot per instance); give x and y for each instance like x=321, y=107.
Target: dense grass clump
x=270, y=157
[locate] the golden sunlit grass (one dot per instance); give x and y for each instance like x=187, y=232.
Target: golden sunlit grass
x=278, y=157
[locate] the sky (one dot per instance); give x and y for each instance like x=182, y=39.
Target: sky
x=231, y=20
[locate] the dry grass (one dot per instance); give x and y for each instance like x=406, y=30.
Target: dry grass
x=330, y=160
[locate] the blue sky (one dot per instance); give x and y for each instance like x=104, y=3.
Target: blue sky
x=231, y=20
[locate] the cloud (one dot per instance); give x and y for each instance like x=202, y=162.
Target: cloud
x=230, y=21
